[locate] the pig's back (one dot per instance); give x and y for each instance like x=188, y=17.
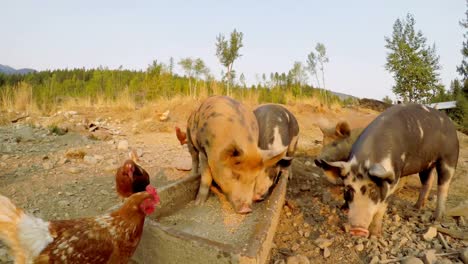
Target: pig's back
x=422, y=134
x=223, y=120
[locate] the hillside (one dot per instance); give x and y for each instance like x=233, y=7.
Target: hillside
x=9, y=70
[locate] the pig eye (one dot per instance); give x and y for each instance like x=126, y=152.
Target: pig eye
x=348, y=193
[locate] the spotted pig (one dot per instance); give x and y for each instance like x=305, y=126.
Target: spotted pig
x=279, y=131
x=403, y=140
x=222, y=137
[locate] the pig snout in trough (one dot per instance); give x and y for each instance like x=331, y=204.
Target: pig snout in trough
x=403, y=140
x=222, y=137
x=279, y=133
x=337, y=142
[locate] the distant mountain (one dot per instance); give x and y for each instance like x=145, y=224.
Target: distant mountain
x=9, y=70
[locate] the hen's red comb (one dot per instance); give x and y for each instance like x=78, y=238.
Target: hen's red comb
x=151, y=190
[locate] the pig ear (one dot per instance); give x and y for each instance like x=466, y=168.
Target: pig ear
x=334, y=170
x=232, y=153
x=378, y=171
x=343, y=129
x=270, y=157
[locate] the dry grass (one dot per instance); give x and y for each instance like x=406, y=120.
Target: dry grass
x=124, y=102
x=18, y=99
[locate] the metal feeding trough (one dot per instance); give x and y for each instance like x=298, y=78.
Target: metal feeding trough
x=181, y=232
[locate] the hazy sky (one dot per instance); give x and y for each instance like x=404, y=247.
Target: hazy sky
x=68, y=34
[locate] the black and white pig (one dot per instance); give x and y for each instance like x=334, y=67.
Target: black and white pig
x=278, y=129
x=403, y=140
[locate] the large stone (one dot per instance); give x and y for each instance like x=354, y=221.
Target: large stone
x=298, y=259
x=123, y=145
x=323, y=242
x=430, y=233
x=412, y=260
x=464, y=255
x=430, y=257
x=89, y=159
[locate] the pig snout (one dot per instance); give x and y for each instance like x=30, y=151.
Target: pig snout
x=259, y=197
x=241, y=206
x=244, y=209
x=359, y=231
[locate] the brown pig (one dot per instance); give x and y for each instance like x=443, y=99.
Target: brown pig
x=222, y=137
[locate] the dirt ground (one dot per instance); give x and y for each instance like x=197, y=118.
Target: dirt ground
x=72, y=175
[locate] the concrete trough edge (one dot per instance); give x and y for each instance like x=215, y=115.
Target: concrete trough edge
x=162, y=244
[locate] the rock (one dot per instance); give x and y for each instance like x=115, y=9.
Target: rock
x=89, y=159
x=430, y=233
x=111, y=168
x=326, y=197
x=444, y=261
x=63, y=160
x=374, y=260
x=396, y=218
x=99, y=157
x=182, y=163
x=280, y=261
x=359, y=247
x=464, y=255
x=74, y=170
x=47, y=165
x=323, y=242
x=430, y=257
x=104, y=192
x=306, y=234
x=305, y=187
x=298, y=259
x=308, y=163
x=403, y=241
x=412, y=260
x=63, y=203
x=164, y=116
x=122, y=145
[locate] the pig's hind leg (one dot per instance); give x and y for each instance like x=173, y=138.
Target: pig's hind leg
x=206, y=179
x=445, y=172
x=427, y=178
x=195, y=156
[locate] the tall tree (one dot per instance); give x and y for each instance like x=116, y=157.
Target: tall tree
x=412, y=62
x=298, y=75
x=187, y=65
x=199, y=68
x=312, y=66
x=227, y=52
x=322, y=59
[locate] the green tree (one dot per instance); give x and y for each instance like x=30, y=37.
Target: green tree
x=188, y=65
x=321, y=59
x=298, y=76
x=412, y=62
x=199, y=68
x=227, y=52
x=312, y=67
x=387, y=100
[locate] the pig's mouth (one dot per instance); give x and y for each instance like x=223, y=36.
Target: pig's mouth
x=359, y=231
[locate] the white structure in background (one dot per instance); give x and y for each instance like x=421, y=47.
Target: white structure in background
x=444, y=105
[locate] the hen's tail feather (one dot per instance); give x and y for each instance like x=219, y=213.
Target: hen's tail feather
x=10, y=217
